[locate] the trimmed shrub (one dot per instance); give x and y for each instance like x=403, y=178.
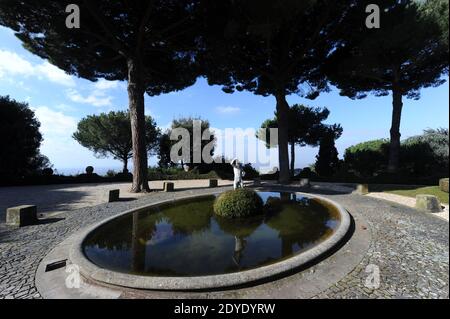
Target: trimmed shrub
x=238, y=203
x=89, y=170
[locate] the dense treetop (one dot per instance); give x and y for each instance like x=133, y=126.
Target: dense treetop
x=110, y=33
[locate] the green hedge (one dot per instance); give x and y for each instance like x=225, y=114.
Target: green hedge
x=423, y=160
x=203, y=171
x=155, y=174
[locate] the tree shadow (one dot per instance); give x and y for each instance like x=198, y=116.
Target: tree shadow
x=48, y=199
x=50, y=220
x=126, y=199
x=392, y=187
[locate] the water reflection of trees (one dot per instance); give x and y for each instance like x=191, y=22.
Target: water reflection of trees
x=185, y=218
x=133, y=231
x=298, y=221
x=192, y=216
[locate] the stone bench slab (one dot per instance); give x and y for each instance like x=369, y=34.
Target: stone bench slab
x=113, y=195
x=169, y=187
x=24, y=215
x=213, y=183
x=362, y=189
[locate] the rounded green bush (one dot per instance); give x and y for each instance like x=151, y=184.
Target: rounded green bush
x=238, y=203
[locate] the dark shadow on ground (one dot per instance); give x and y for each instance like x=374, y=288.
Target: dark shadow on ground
x=48, y=200
x=127, y=199
x=45, y=221
x=392, y=187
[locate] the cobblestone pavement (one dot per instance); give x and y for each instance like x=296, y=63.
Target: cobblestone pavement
x=409, y=248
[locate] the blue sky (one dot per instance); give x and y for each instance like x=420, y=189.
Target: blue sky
x=60, y=101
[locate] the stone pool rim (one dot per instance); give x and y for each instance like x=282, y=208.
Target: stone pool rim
x=94, y=273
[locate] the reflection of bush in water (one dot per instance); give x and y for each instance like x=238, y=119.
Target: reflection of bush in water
x=239, y=227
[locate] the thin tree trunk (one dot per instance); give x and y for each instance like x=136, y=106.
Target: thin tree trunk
x=125, y=165
x=394, y=148
x=292, y=159
x=283, y=138
x=137, y=113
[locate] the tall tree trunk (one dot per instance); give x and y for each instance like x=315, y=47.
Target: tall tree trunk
x=292, y=159
x=137, y=113
x=125, y=165
x=394, y=148
x=283, y=138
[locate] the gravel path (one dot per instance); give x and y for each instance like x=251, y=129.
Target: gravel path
x=409, y=249
x=407, y=201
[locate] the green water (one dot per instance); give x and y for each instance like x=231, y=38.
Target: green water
x=186, y=238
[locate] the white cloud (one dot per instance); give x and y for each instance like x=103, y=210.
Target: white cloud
x=166, y=127
x=96, y=98
x=65, y=108
x=103, y=84
x=55, y=123
x=12, y=64
x=53, y=74
x=228, y=109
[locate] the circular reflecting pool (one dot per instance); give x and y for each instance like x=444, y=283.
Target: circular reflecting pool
x=186, y=238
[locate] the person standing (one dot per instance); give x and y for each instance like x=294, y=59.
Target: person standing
x=238, y=174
